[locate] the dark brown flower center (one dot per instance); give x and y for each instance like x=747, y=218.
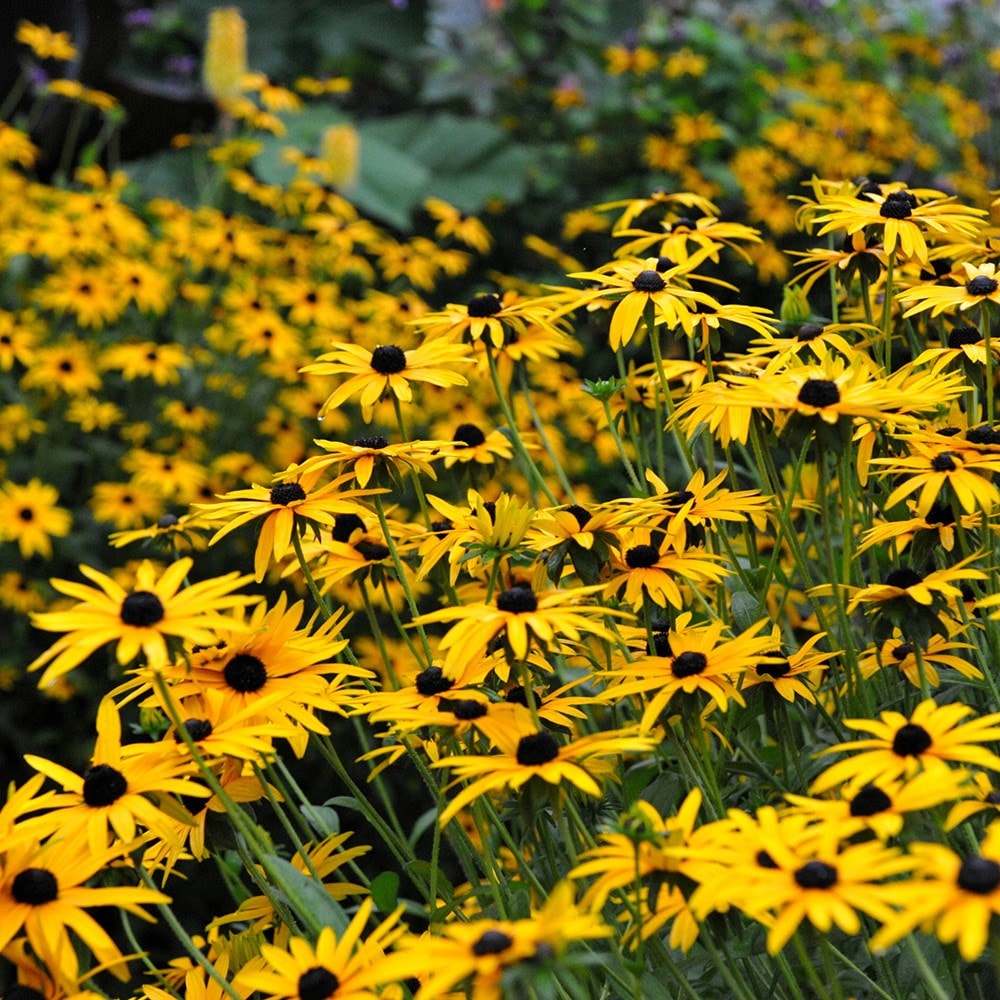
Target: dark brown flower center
x=775, y=670
x=469, y=435
x=481, y=306
x=537, y=749
x=286, y=493
x=641, y=557
x=981, y=284
x=898, y=205
x=432, y=681
x=465, y=709
x=519, y=600
x=903, y=578
x=869, y=801
x=819, y=392
x=944, y=462
x=372, y=551
x=816, y=875
x=979, y=875
x=491, y=943
x=34, y=887
x=376, y=443
x=581, y=514
x=197, y=729
x=245, y=673
x=344, y=525
x=911, y=740
x=317, y=983
x=388, y=359
x=102, y=785
x=688, y=664
x=649, y=281
x=962, y=335
x=142, y=609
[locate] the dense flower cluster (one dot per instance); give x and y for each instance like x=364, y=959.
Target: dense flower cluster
x=697, y=655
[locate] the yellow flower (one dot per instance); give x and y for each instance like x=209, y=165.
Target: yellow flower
x=46, y=43
x=144, y=620
x=30, y=517
x=225, y=60
x=901, y=746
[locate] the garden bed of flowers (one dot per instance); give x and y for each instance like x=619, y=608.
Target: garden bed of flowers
x=386, y=624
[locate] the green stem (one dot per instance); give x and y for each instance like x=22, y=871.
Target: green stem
x=185, y=939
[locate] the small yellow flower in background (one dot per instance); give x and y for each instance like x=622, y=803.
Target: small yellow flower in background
x=225, y=64
x=340, y=151
x=30, y=517
x=46, y=43
x=685, y=62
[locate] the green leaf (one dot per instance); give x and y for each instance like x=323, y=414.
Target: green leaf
x=745, y=608
x=385, y=891
x=307, y=897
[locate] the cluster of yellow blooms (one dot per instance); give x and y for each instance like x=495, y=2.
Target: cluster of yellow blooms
x=619, y=632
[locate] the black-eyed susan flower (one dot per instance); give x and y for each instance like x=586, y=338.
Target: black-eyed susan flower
x=632, y=286
x=321, y=859
x=895, y=654
x=348, y=967
x=145, y=620
x=269, y=653
x=976, y=796
x=481, y=951
x=489, y=316
x=942, y=472
x=525, y=752
x=644, y=845
x=880, y=806
x=698, y=658
x=905, y=586
x=43, y=892
x=289, y=506
x=791, y=675
x=389, y=369
x=930, y=739
x=31, y=517
x=826, y=883
x=369, y=454
x=904, y=216
x=116, y=796
x=954, y=896
x=645, y=570
x=981, y=286
x=521, y=616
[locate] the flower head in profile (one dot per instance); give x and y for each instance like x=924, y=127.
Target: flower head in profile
x=155, y=615
x=981, y=286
